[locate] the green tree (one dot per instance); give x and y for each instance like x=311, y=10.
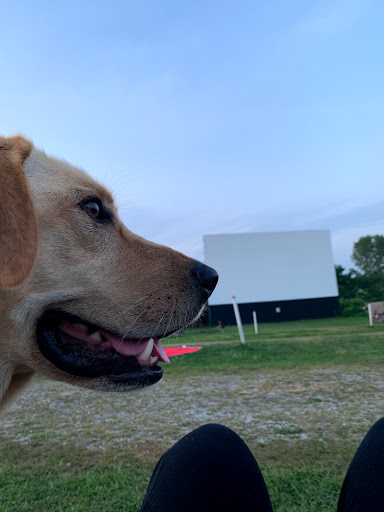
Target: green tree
x=366, y=284
x=368, y=255
x=351, y=293
x=347, y=282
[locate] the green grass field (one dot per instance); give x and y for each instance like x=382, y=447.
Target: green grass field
x=307, y=367
x=280, y=345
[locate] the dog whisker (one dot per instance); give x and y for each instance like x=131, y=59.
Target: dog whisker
x=157, y=326
x=131, y=306
x=171, y=316
x=142, y=326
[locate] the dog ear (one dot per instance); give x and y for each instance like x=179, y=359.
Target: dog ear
x=18, y=228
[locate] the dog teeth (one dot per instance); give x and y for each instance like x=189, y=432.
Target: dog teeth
x=96, y=336
x=154, y=360
x=147, y=351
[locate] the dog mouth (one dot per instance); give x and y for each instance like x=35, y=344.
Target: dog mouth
x=84, y=349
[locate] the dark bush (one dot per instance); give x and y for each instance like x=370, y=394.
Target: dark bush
x=352, y=307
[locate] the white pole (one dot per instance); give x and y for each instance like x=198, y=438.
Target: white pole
x=238, y=319
x=370, y=315
x=255, y=322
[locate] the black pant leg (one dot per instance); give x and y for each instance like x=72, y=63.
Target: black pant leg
x=363, y=487
x=209, y=470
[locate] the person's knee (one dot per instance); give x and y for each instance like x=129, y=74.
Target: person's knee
x=375, y=437
x=378, y=428
x=214, y=429
x=214, y=433
x=217, y=442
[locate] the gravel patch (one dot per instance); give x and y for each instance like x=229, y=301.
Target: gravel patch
x=261, y=406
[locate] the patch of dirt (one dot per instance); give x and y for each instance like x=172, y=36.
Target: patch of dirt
x=259, y=405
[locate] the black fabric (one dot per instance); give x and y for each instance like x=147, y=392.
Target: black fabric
x=363, y=487
x=211, y=469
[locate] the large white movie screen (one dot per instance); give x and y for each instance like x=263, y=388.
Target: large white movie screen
x=261, y=267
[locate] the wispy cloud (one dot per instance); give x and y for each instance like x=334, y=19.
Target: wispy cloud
x=335, y=18
x=347, y=221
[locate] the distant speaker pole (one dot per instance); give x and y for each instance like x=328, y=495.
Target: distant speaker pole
x=238, y=319
x=370, y=315
x=255, y=322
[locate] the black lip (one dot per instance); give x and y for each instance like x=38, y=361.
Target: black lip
x=85, y=360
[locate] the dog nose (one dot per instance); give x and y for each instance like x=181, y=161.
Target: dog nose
x=207, y=277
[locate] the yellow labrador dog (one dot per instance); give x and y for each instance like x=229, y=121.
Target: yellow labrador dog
x=83, y=300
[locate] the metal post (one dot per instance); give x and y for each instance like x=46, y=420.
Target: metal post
x=255, y=322
x=238, y=320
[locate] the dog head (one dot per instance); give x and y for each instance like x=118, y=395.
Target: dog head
x=83, y=299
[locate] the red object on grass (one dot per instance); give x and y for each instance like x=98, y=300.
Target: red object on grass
x=177, y=351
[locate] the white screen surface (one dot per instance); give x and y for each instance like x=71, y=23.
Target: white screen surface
x=262, y=267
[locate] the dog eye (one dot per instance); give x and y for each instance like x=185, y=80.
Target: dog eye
x=96, y=210
x=93, y=209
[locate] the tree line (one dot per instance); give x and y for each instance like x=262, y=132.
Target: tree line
x=365, y=283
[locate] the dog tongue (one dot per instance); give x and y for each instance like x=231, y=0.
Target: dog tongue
x=134, y=348
x=159, y=351
x=126, y=347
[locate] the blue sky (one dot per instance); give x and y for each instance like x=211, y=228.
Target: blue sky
x=209, y=116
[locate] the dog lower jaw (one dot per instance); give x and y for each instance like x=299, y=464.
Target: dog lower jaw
x=105, y=369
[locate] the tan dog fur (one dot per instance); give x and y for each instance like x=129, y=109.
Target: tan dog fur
x=53, y=255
